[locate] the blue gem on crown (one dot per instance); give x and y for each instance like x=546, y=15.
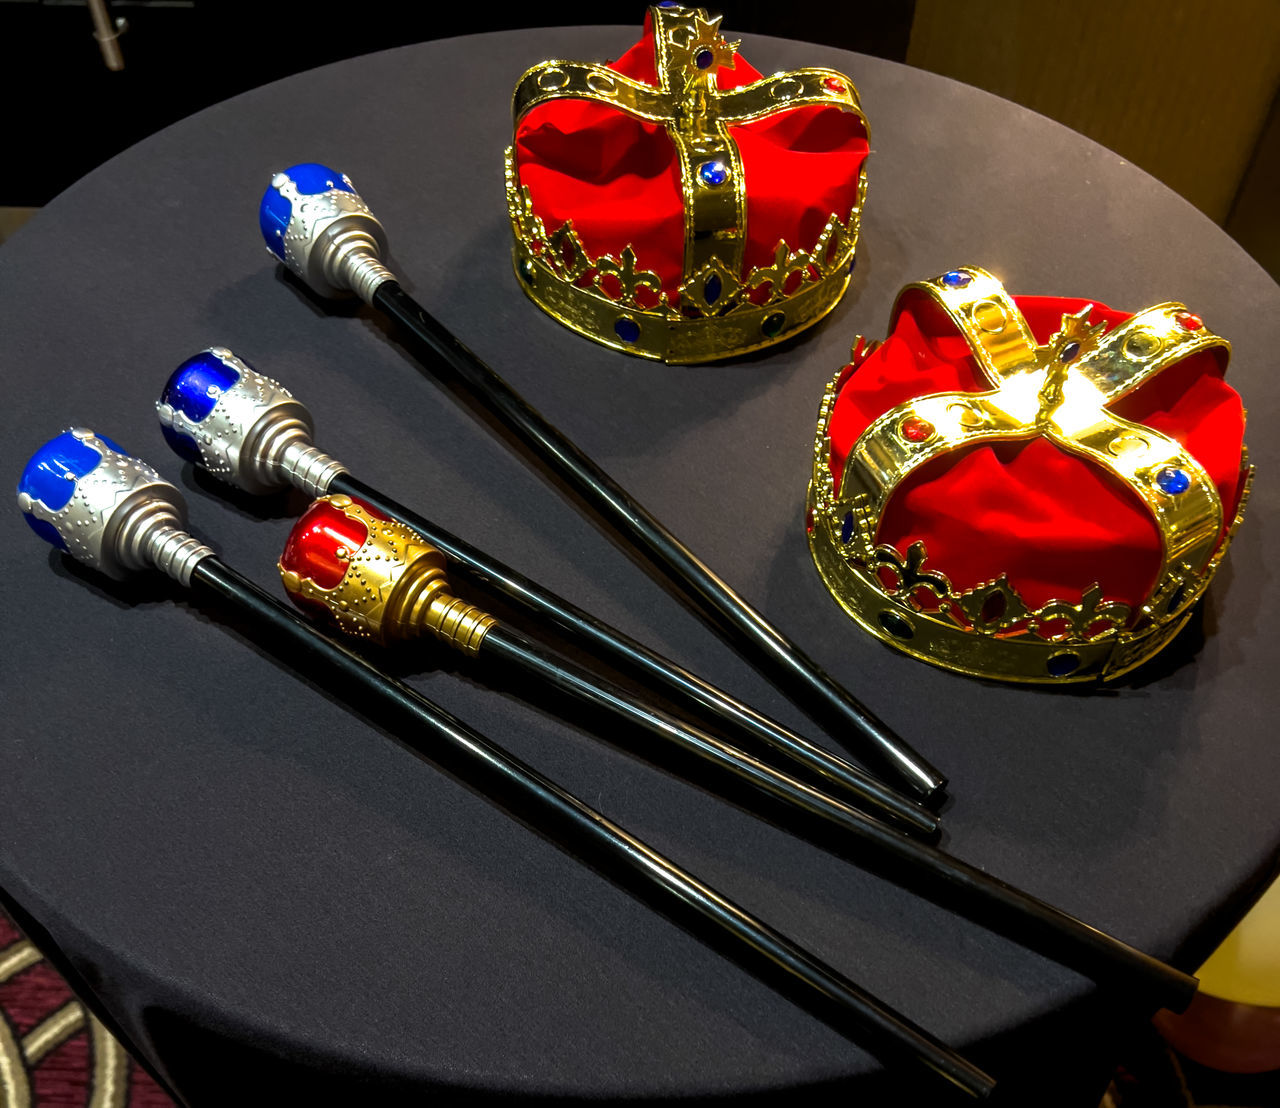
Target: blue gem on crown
x=1173, y=481
x=957, y=279
x=713, y=173
x=846, y=527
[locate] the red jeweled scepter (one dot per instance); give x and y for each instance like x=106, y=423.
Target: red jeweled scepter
x=115, y=513
x=314, y=221
x=219, y=413
x=379, y=581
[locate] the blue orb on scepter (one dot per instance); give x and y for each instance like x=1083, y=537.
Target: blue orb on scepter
x=51, y=477
x=95, y=501
x=194, y=389
x=276, y=210
x=219, y=413
x=314, y=221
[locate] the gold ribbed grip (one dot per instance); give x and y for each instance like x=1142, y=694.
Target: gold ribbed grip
x=458, y=623
x=394, y=586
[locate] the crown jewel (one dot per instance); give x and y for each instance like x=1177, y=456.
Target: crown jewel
x=713, y=282
x=1067, y=392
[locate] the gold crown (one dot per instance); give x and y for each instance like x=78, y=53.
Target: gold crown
x=717, y=311
x=1059, y=391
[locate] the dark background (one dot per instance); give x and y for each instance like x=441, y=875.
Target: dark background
x=1186, y=91
x=183, y=55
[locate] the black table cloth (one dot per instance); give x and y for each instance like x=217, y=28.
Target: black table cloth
x=265, y=893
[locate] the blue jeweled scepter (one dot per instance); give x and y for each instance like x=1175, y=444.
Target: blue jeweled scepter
x=315, y=222
x=252, y=433
x=249, y=431
x=115, y=513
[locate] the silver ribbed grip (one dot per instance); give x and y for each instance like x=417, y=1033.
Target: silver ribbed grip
x=122, y=516
x=308, y=468
x=351, y=261
x=152, y=536
x=333, y=241
x=257, y=436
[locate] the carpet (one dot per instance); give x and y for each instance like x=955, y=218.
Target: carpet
x=53, y=1053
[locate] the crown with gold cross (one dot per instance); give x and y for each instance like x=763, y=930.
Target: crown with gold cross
x=632, y=193
x=893, y=487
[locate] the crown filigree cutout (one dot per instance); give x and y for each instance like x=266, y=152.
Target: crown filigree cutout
x=991, y=608
x=629, y=280
x=907, y=574
x=595, y=294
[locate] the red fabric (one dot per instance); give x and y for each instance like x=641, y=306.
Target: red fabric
x=1055, y=523
x=144, y=1092
x=618, y=178
x=33, y=996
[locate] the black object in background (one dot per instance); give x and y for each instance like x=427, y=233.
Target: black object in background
x=184, y=55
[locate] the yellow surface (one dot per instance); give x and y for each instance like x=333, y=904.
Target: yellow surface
x=1246, y=967
x=1181, y=90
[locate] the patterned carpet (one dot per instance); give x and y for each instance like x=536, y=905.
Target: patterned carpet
x=54, y=1054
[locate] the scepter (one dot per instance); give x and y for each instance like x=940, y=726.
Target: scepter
x=314, y=221
x=116, y=514
x=379, y=581
x=220, y=414
x=248, y=430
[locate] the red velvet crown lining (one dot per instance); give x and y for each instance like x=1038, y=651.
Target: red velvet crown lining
x=618, y=178
x=1055, y=523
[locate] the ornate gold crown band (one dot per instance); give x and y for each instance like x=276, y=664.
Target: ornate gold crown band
x=1057, y=391
x=719, y=311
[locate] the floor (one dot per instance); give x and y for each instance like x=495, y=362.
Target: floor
x=1157, y=1076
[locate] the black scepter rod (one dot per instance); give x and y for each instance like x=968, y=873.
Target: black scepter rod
x=381, y=582
x=314, y=221
x=116, y=514
x=245, y=428
x=219, y=413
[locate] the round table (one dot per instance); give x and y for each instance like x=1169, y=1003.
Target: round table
x=265, y=892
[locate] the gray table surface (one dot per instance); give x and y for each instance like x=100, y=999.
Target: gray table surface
x=206, y=837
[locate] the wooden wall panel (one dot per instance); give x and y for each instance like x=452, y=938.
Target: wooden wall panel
x=1181, y=88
